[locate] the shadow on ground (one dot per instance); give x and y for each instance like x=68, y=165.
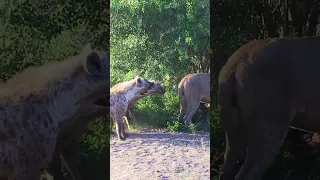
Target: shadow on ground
x=176, y=139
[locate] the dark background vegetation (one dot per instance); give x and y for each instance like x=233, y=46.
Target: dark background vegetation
x=235, y=22
x=35, y=32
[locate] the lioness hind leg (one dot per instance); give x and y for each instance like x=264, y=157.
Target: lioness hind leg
x=264, y=144
x=193, y=105
x=233, y=157
x=235, y=146
x=183, y=108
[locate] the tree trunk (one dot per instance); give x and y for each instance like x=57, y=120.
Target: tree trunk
x=269, y=20
x=285, y=20
x=312, y=20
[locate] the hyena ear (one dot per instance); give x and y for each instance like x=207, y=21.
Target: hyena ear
x=137, y=77
x=93, y=64
x=138, y=81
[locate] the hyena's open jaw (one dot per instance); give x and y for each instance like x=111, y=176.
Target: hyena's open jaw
x=154, y=88
x=151, y=85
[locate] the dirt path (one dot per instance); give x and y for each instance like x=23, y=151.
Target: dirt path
x=159, y=155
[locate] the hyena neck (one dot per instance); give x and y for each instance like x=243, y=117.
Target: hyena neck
x=66, y=99
x=132, y=94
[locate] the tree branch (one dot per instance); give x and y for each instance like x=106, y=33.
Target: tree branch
x=269, y=19
x=312, y=20
x=296, y=20
x=285, y=21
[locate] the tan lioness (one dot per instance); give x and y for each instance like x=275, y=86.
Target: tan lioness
x=193, y=89
x=266, y=83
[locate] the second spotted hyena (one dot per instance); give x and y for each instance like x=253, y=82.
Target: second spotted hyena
x=121, y=95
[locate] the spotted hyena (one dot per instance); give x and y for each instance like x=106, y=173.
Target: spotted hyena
x=40, y=102
x=123, y=94
x=156, y=89
x=66, y=147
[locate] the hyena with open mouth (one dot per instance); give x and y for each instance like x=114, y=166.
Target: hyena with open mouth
x=123, y=94
x=156, y=89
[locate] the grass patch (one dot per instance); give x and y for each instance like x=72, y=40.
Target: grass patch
x=177, y=126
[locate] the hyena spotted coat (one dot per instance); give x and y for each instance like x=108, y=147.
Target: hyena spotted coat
x=156, y=89
x=39, y=103
x=123, y=94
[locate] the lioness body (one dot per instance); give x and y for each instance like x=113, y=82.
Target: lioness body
x=193, y=89
x=261, y=87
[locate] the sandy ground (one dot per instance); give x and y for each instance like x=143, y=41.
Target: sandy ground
x=159, y=155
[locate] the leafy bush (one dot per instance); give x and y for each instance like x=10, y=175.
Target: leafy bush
x=159, y=40
x=95, y=148
x=192, y=128
x=176, y=126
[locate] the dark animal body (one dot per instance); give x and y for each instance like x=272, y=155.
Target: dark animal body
x=66, y=147
x=261, y=88
x=66, y=151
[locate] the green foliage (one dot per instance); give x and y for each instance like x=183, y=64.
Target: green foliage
x=97, y=139
x=175, y=126
x=95, y=147
x=157, y=110
x=159, y=40
x=216, y=142
x=153, y=34
x=193, y=128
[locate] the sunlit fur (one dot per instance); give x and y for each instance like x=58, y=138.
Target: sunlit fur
x=35, y=79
